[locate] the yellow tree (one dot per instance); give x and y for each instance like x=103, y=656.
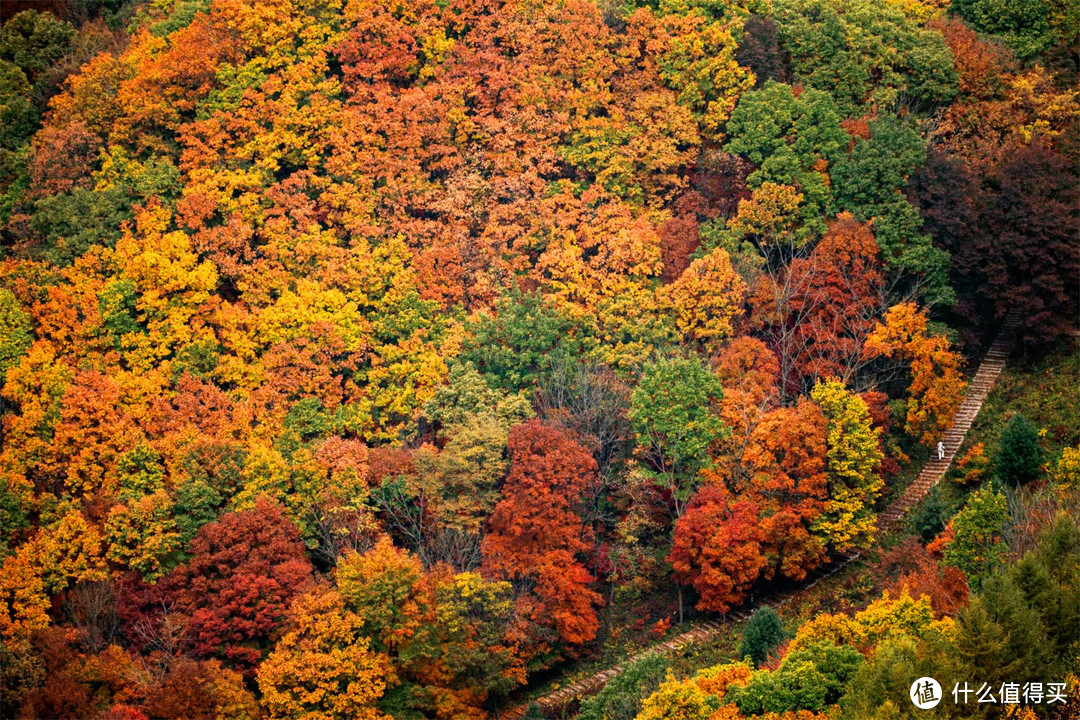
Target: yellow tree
x=322, y=668
x=707, y=299
x=852, y=461
x=385, y=586
x=172, y=284
x=678, y=700
x=1067, y=471
x=701, y=66
x=883, y=618
x=23, y=603
x=68, y=552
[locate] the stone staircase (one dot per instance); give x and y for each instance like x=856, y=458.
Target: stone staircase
x=592, y=684
x=978, y=389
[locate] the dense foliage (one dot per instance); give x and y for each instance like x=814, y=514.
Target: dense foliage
x=361, y=359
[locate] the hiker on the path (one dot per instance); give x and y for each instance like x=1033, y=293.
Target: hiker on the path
x=940, y=450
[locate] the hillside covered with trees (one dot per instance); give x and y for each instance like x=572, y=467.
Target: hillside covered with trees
x=367, y=359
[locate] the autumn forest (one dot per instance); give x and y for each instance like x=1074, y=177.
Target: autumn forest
x=371, y=359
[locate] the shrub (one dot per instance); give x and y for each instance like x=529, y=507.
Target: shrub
x=621, y=698
x=795, y=686
x=763, y=634
x=1019, y=455
x=929, y=517
x=973, y=466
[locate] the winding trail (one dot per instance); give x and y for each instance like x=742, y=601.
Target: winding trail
x=978, y=390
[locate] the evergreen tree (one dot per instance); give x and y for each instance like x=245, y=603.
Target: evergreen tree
x=762, y=635
x=1049, y=579
x=1000, y=638
x=1019, y=455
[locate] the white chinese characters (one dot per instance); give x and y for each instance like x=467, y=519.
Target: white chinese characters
x=1009, y=693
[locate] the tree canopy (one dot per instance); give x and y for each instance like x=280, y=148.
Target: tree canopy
x=368, y=359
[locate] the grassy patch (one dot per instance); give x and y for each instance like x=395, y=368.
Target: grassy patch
x=1046, y=392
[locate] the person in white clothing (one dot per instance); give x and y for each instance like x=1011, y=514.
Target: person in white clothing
x=940, y=450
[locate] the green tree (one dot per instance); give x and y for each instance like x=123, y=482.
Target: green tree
x=18, y=115
x=16, y=332
x=119, y=316
x=1025, y=26
x=932, y=514
x=674, y=414
x=865, y=52
x=140, y=472
x=836, y=663
x=511, y=347
x=1019, y=457
x=977, y=547
x=143, y=535
x=1049, y=578
x=793, y=140
x=18, y=121
x=796, y=685
x=34, y=40
x=69, y=223
x=1000, y=637
x=810, y=678
x=466, y=396
x=308, y=418
x=879, y=688
x=197, y=503
x=762, y=635
x=31, y=43
x=871, y=183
